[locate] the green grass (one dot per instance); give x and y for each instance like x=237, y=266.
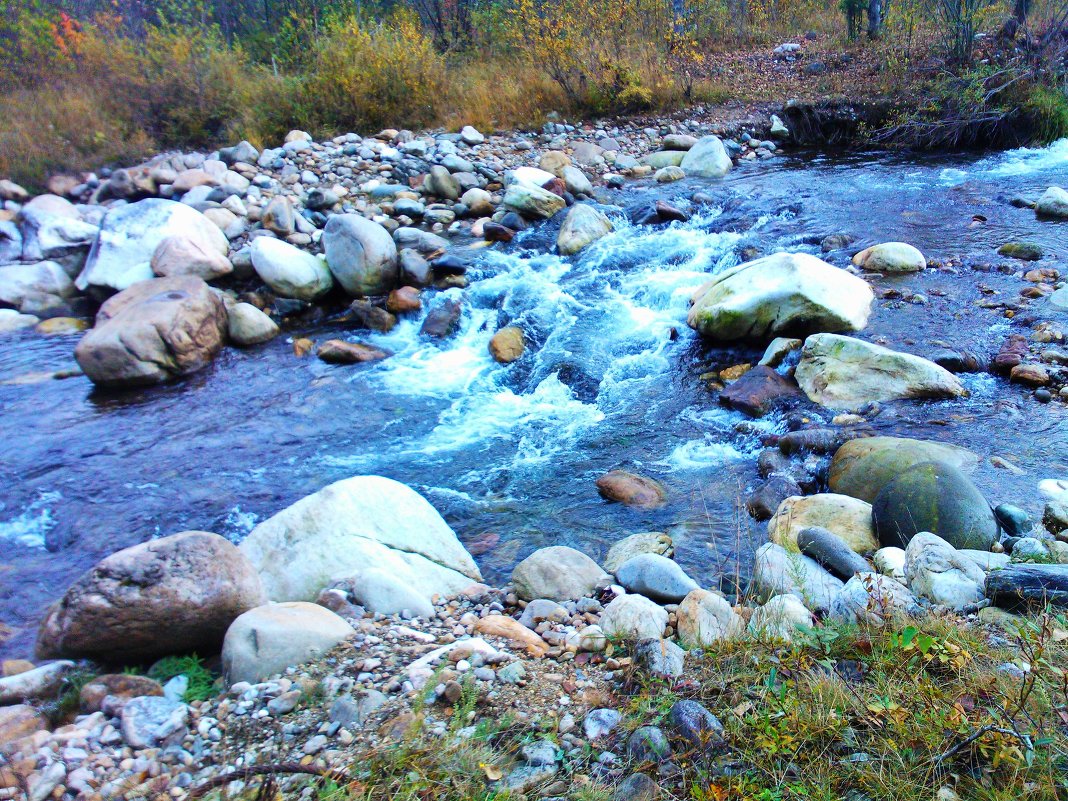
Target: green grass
x=202, y=682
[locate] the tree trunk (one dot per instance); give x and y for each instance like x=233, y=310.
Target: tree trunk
x=875, y=18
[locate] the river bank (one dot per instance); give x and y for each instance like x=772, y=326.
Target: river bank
x=609, y=406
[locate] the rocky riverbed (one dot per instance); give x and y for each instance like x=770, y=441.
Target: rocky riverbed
x=559, y=338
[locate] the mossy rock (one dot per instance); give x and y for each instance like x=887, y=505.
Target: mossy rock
x=1025, y=251
x=862, y=467
x=934, y=497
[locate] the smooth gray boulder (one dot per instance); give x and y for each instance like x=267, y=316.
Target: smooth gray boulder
x=777, y=571
x=656, y=577
x=289, y=271
x=361, y=255
x=558, y=573
x=582, y=226
x=832, y=552
x=935, y=570
x=707, y=159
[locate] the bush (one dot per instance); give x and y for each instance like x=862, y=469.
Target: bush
x=1045, y=110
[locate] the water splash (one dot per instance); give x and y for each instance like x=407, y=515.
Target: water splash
x=31, y=526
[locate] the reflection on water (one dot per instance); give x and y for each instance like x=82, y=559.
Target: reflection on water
x=611, y=380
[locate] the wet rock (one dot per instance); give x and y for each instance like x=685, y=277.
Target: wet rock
x=130, y=234
x=414, y=269
x=759, y=391
x=443, y=318
x=124, y=686
x=532, y=201
x=891, y=257
x=656, y=577
x=936, y=571
x=582, y=226
x=778, y=349
x=665, y=212
x=782, y=293
x=365, y=314
x=338, y=351
x=707, y=159
x=495, y=232
x=697, y=727
x=842, y=372
x=934, y=497
x=780, y=618
x=862, y=467
x=763, y=503
x=246, y=325
x=171, y=595
x=634, y=617
x=831, y=551
x=959, y=361
x=289, y=271
x=361, y=255
x=507, y=345
x=1025, y=251
x=704, y=618
x=1012, y=352
x=153, y=722
x=1013, y=520
x=636, y=544
x=449, y=264
x=268, y=639
x=631, y=489
x=1032, y=375
x=1053, y=203
x=405, y=300
x=777, y=571
x=873, y=599
x=558, y=573
x=1021, y=585
x=668, y=175
x=817, y=440
x=848, y=518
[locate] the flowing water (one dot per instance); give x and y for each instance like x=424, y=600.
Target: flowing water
x=509, y=454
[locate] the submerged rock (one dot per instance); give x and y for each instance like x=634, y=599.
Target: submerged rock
x=166, y=596
x=352, y=525
x=937, y=498
x=631, y=489
x=779, y=294
x=582, y=226
x=842, y=372
x=891, y=257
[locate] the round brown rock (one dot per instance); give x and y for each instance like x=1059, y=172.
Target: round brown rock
x=121, y=685
x=631, y=489
x=507, y=345
x=172, y=595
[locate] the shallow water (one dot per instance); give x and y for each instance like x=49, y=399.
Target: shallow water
x=512, y=452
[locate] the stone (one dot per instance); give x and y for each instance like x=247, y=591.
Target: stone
x=891, y=257
x=379, y=592
x=1053, y=203
x=777, y=571
x=154, y=331
x=1025, y=251
x=759, y=391
x=166, y=596
x=988, y=560
x=558, y=573
x=767, y=498
x=1032, y=375
x=507, y=345
x=129, y=235
x=55, y=237
x=532, y=201
x=365, y=314
x=352, y=525
x=471, y=136
x=38, y=682
x=543, y=609
x=439, y=182
x=704, y=618
x=404, y=300
x=890, y=561
x=1055, y=515
x=338, y=351
x=780, y=294
x=936, y=571
x=847, y=518
x=633, y=617
x=247, y=325
x=361, y=255
x=668, y=175
x=11, y=320
x=599, y=723
x=289, y=271
x=554, y=161
x=582, y=226
x=631, y=489
x=660, y=658
x=648, y=744
x=18, y=721
x=153, y=722
x=707, y=159
x=778, y=129
x=655, y=577
x=637, y=787
x=831, y=551
x=278, y=216
x=665, y=159
x=268, y=639
x=873, y=599
x=9, y=190
x=699, y=728
x=576, y=182
x=842, y=372
x=937, y=498
x=1023, y=585
x=636, y=544
x=124, y=686
x=183, y=255
x=444, y=316
x=862, y=467
x=780, y=618
x=24, y=286
x=511, y=629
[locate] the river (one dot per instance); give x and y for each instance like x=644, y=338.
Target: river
x=509, y=454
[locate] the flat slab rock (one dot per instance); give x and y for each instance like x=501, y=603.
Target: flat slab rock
x=1018, y=585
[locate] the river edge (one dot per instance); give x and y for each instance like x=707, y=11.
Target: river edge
x=510, y=606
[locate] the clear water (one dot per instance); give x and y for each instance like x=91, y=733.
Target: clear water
x=510, y=454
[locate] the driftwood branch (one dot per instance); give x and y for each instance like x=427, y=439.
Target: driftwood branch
x=244, y=774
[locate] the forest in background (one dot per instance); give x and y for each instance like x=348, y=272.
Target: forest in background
x=85, y=83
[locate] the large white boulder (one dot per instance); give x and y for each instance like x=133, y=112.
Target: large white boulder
x=707, y=159
x=704, y=618
x=1053, y=203
x=130, y=234
x=891, y=257
x=935, y=570
x=842, y=372
x=289, y=271
x=361, y=254
x=354, y=524
x=34, y=286
x=634, y=617
x=582, y=226
x=777, y=571
x=781, y=293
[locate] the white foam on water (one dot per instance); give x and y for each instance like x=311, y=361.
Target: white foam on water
x=1023, y=161
x=30, y=527
x=701, y=454
x=239, y=523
